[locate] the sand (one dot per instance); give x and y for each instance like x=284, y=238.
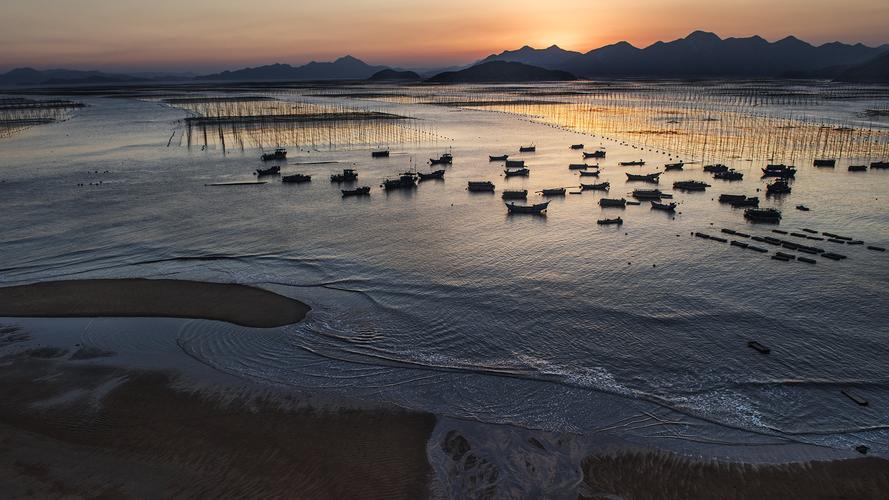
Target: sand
x=239, y=304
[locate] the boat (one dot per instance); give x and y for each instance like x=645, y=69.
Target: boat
x=577, y=146
x=445, y=159
x=594, y=154
x=516, y=172
x=498, y=158
x=857, y=168
x=691, y=185
x=716, y=168
x=481, y=186
x=730, y=175
x=730, y=198
x=778, y=171
x=380, y=154
x=405, y=180
x=802, y=208
x=515, y=194
x=602, y=186
x=553, y=192
x=668, y=207
x=763, y=214
x=758, y=347
x=606, y=222
x=277, y=154
x=276, y=170
x=527, y=149
x=527, y=209
x=347, y=176
x=752, y=201
x=879, y=164
x=824, y=163
x=778, y=187
x=644, y=177
x=578, y=166
x=674, y=166
x=648, y=194
x=296, y=178
x=634, y=163
x=589, y=173
x=361, y=191
x=515, y=163
x=612, y=202
x=438, y=174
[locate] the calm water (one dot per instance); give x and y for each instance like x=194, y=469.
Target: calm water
x=436, y=299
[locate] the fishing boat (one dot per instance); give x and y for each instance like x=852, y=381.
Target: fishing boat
x=577, y=146
x=348, y=175
x=276, y=170
x=674, y=166
x=730, y=175
x=778, y=171
x=481, y=186
x=802, y=208
x=648, y=194
x=778, y=187
x=612, y=202
x=515, y=194
x=277, y=154
x=668, y=207
x=594, y=154
x=516, y=172
x=527, y=209
x=729, y=198
x=296, y=178
x=552, y=192
x=515, y=163
x=498, y=158
x=635, y=163
x=644, y=177
x=602, y=186
x=606, y=222
x=824, y=163
x=361, y=191
x=588, y=173
x=578, y=166
x=716, y=168
x=752, y=201
x=763, y=214
x=857, y=168
x=405, y=180
x=758, y=347
x=527, y=149
x=438, y=174
x=691, y=185
x=383, y=153
x=445, y=159
x=879, y=164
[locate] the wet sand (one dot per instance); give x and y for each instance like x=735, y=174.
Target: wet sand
x=239, y=304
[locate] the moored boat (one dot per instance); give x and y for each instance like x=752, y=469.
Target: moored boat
x=260, y=172
x=383, y=153
x=612, y=202
x=527, y=149
x=752, y=201
x=595, y=154
x=879, y=164
x=515, y=163
x=589, y=173
x=691, y=185
x=577, y=146
x=824, y=162
x=716, y=168
x=347, y=176
x=438, y=174
x=498, y=158
x=653, y=177
x=602, y=186
x=606, y=222
x=857, y=168
x=668, y=207
x=405, y=180
x=634, y=163
x=527, y=209
x=516, y=172
x=648, y=194
x=778, y=187
x=729, y=198
x=778, y=170
x=674, y=166
x=277, y=154
x=730, y=175
x=361, y=191
x=553, y=192
x=515, y=194
x=445, y=159
x=480, y=186
x=578, y=166
x=296, y=178
x=763, y=214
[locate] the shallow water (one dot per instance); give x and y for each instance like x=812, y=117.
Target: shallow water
x=436, y=299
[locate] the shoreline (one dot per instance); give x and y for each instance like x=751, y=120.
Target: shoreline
x=136, y=297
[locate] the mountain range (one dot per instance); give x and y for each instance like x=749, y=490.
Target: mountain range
x=344, y=68
x=502, y=71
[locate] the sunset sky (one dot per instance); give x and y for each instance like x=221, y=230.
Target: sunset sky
x=209, y=35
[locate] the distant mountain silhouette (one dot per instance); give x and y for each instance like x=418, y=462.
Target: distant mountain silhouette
x=33, y=77
x=699, y=54
x=553, y=57
x=393, y=75
x=501, y=71
x=874, y=71
x=344, y=68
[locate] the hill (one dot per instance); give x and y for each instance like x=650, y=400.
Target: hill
x=553, y=57
x=387, y=75
x=344, y=68
x=501, y=71
x=874, y=71
x=33, y=77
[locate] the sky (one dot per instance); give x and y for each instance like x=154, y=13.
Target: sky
x=211, y=35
